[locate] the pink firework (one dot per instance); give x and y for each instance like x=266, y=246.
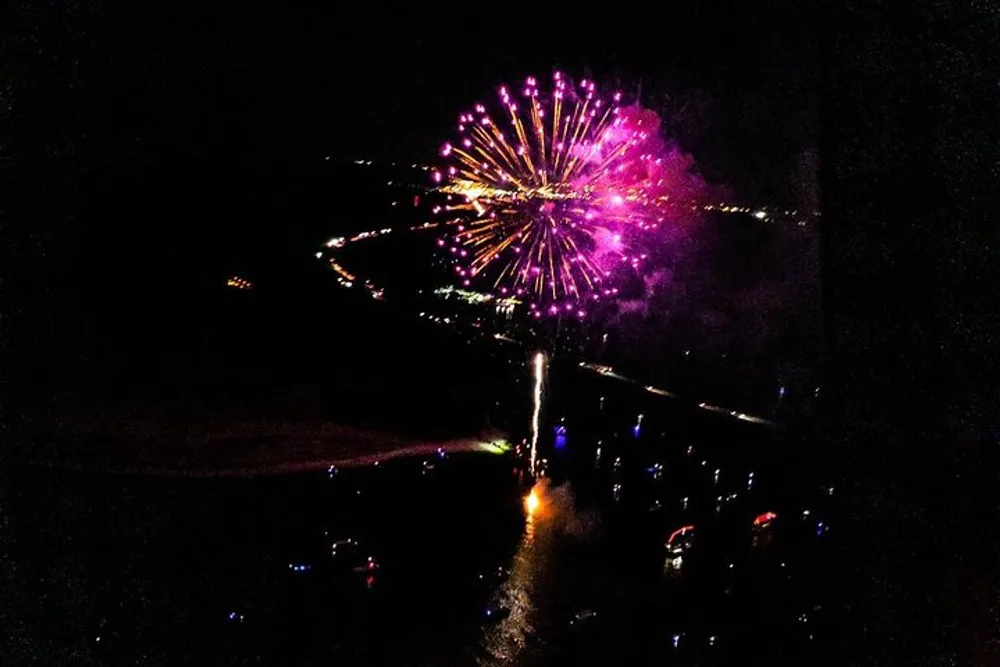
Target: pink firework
x=555, y=186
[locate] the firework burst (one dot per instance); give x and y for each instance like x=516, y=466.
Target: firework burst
x=553, y=188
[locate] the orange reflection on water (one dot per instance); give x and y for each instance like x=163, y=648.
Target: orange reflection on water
x=503, y=642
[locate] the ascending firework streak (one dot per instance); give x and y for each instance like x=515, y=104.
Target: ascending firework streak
x=548, y=198
x=539, y=365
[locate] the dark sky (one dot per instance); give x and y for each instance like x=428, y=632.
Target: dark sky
x=153, y=147
x=115, y=81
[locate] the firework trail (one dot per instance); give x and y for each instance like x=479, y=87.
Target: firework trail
x=539, y=373
x=556, y=191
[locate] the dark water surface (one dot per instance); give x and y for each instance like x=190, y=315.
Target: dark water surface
x=434, y=561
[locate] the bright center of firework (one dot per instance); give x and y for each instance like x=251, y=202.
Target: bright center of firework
x=541, y=186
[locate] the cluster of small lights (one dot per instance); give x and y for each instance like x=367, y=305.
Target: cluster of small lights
x=473, y=297
x=347, y=279
x=344, y=277
x=340, y=241
x=760, y=213
x=437, y=319
x=477, y=191
x=681, y=540
x=369, y=163
x=239, y=283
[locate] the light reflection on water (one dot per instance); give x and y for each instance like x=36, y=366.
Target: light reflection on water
x=503, y=642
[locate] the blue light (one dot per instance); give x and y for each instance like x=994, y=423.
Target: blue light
x=560, y=441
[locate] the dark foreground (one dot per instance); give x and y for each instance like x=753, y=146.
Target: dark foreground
x=432, y=560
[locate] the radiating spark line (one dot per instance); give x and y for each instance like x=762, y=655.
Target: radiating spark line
x=539, y=189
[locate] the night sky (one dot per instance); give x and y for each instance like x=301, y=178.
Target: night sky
x=126, y=81
x=155, y=147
